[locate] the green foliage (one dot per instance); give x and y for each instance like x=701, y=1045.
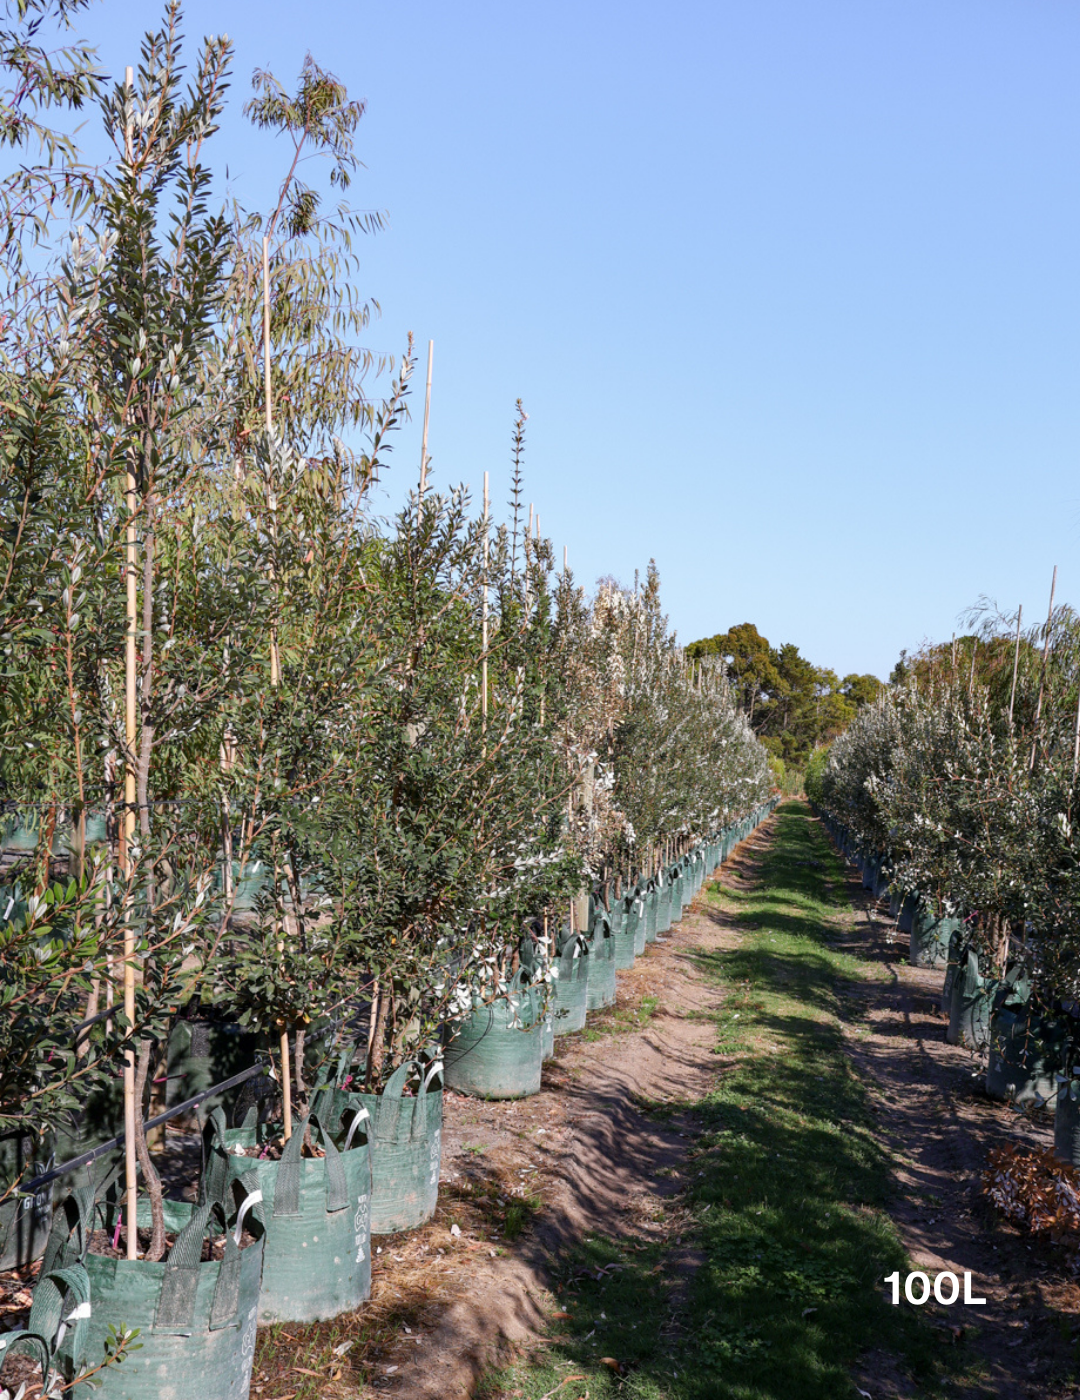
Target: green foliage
x=310, y=722
x=791, y=704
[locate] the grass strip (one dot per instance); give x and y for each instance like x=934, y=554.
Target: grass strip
x=787, y=1194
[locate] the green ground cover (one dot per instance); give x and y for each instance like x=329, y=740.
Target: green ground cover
x=785, y=1210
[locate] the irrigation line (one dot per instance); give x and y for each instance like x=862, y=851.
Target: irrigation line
x=32, y=1187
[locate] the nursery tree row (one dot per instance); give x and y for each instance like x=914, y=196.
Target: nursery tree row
x=263, y=752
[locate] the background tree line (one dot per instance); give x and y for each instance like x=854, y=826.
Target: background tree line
x=792, y=705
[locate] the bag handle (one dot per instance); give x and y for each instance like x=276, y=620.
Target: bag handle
x=388, y=1104
x=50, y=1335
x=287, y=1187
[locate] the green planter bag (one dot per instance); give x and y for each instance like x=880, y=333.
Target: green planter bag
x=534, y=963
x=687, y=885
x=970, y=1006
x=663, y=903
x=931, y=934
x=957, y=956
x=1067, y=1119
x=406, y=1148
x=676, y=880
x=652, y=911
x=601, y=964
x=196, y=1320
x=626, y=938
x=641, y=929
x=498, y=1050
x=1026, y=1051
x=24, y=1220
x=318, y=1223
x=572, y=986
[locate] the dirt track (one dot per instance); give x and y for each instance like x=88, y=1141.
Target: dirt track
x=596, y=1162
x=939, y=1126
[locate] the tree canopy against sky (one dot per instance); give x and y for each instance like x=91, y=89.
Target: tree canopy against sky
x=791, y=704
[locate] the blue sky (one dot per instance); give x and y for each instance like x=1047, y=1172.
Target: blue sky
x=789, y=287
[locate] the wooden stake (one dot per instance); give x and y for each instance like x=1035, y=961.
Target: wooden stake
x=275, y=660
x=484, y=622
x=1042, y=674
x=427, y=415
x=1076, y=740
x=267, y=395
x=127, y=832
x=1016, y=662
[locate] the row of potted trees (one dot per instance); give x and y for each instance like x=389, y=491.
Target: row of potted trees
x=277, y=776
x=955, y=795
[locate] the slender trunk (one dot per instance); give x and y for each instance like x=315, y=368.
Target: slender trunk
x=298, y=1062
x=150, y=1177
x=159, y=1087
x=377, y=1044
x=93, y=1001
x=1042, y=673
x=1016, y=663
x=77, y=859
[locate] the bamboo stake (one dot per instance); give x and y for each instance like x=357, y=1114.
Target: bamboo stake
x=427, y=415
x=1016, y=662
x=484, y=622
x=1042, y=674
x=127, y=832
x=275, y=660
x=1076, y=740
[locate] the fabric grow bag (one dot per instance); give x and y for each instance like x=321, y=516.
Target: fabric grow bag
x=687, y=884
x=956, y=957
x=601, y=965
x=626, y=938
x=497, y=1052
x=971, y=1005
x=318, y=1224
x=406, y=1148
x=1025, y=1054
x=664, y=893
x=572, y=986
x=1067, y=1119
x=931, y=934
x=652, y=911
x=24, y=1220
x=675, y=875
x=196, y=1320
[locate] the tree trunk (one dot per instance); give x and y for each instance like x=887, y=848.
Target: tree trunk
x=150, y=1177
x=377, y=1043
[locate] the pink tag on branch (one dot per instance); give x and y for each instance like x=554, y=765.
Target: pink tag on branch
x=116, y=1235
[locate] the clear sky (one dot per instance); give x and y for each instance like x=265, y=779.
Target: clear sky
x=789, y=287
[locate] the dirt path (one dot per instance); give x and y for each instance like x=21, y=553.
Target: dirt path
x=939, y=1127
x=581, y=1151
x=525, y=1182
